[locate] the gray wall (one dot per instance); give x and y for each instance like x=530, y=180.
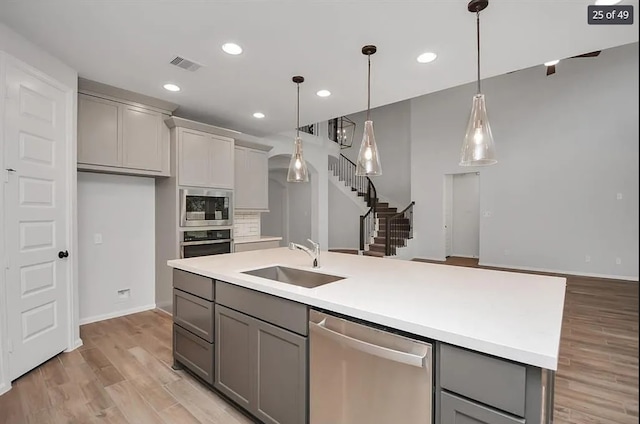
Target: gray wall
x=344, y=220
x=391, y=126
x=566, y=145
x=120, y=209
x=298, y=214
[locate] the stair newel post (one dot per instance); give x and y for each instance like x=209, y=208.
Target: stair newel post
x=387, y=240
x=361, y=233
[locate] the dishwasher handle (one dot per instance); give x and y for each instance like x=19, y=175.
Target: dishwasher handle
x=420, y=361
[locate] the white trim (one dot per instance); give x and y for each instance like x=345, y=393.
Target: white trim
x=165, y=311
x=463, y=256
x=117, y=314
x=553, y=271
x=4, y=388
x=76, y=345
x=5, y=383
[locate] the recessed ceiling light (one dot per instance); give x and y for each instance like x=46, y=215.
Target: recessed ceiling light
x=551, y=63
x=324, y=93
x=171, y=87
x=232, y=48
x=427, y=57
x=607, y=2
x=258, y=115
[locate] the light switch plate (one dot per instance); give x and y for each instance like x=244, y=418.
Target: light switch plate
x=97, y=238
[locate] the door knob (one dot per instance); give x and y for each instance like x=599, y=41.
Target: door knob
x=62, y=254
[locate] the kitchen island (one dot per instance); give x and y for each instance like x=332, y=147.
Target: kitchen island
x=470, y=314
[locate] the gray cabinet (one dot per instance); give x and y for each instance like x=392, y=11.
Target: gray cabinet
x=204, y=160
x=193, y=318
x=194, y=314
x=98, y=131
x=142, y=138
x=234, y=371
x=474, y=388
x=193, y=352
x=118, y=137
x=262, y=367
x=251, y=179
x=281, y=375
x=457, y=410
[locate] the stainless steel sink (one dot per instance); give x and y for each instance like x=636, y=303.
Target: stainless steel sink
x=293, y=276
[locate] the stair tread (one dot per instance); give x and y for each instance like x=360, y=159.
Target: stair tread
x=376, y=254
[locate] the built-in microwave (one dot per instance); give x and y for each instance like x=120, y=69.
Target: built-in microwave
x=205, y=207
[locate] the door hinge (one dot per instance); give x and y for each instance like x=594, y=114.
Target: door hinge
x=10, y=345
x=8, y=172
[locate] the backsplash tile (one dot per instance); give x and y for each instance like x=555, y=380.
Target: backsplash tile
x=246, y=224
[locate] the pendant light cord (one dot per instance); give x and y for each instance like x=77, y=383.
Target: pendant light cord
x=478, y=40
x=298, y=113
x=369, y=88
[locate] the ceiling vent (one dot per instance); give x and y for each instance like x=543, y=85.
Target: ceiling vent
x=187, y=64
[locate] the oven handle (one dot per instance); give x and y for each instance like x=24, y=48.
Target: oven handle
x=200, y=242
x=419, y=361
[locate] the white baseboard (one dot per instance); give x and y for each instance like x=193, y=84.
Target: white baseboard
x=431, y=259
x=76, y=345
x=556, y=271
x=4, y=388
x=463, y=256
x=116, y=314
x=161, y=309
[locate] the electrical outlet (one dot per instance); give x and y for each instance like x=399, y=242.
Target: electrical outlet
x=587, y=258
x=97, y=238
x=487, y=214
x=618, y=261
x=124, y=294
x=619, y=196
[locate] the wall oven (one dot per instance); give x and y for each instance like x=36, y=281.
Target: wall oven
x=205, y=242
x=203, y=207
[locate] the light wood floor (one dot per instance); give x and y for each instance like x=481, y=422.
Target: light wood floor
x=122, y=373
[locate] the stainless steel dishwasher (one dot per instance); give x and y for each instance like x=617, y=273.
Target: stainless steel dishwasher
x=360, y=374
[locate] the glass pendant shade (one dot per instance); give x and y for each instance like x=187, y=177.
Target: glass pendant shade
x=368, y=163
x=478, y=148
x=298, y=172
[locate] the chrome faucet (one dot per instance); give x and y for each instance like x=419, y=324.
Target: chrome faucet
x=315, y=253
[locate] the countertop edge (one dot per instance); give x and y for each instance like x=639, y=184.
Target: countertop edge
x=261, y=239
x=501, y=351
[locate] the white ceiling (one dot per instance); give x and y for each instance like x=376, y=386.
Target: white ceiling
x=129, y=43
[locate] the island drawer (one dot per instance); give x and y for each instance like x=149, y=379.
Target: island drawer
x=458, y=410
x=194, y=353
x=194, y=314
x=281, y=312
x=195, y=284
x=495, y=382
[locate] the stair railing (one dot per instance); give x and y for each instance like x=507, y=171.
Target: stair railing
x=345, y=170
x=398, y=228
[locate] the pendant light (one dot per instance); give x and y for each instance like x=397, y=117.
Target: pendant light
x=368, y=163
x=298, y=172
x=478, y=148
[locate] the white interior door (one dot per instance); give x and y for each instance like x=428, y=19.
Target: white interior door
x=466, y=215
x=36, y=208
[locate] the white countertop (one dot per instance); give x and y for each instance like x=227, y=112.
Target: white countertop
x=506, y=314
x=240, y=240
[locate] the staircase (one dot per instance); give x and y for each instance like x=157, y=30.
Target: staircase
x=382, y=229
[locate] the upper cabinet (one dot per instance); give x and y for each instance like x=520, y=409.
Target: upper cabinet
x=252, y=179
x=203, y=158
x=120, y=134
